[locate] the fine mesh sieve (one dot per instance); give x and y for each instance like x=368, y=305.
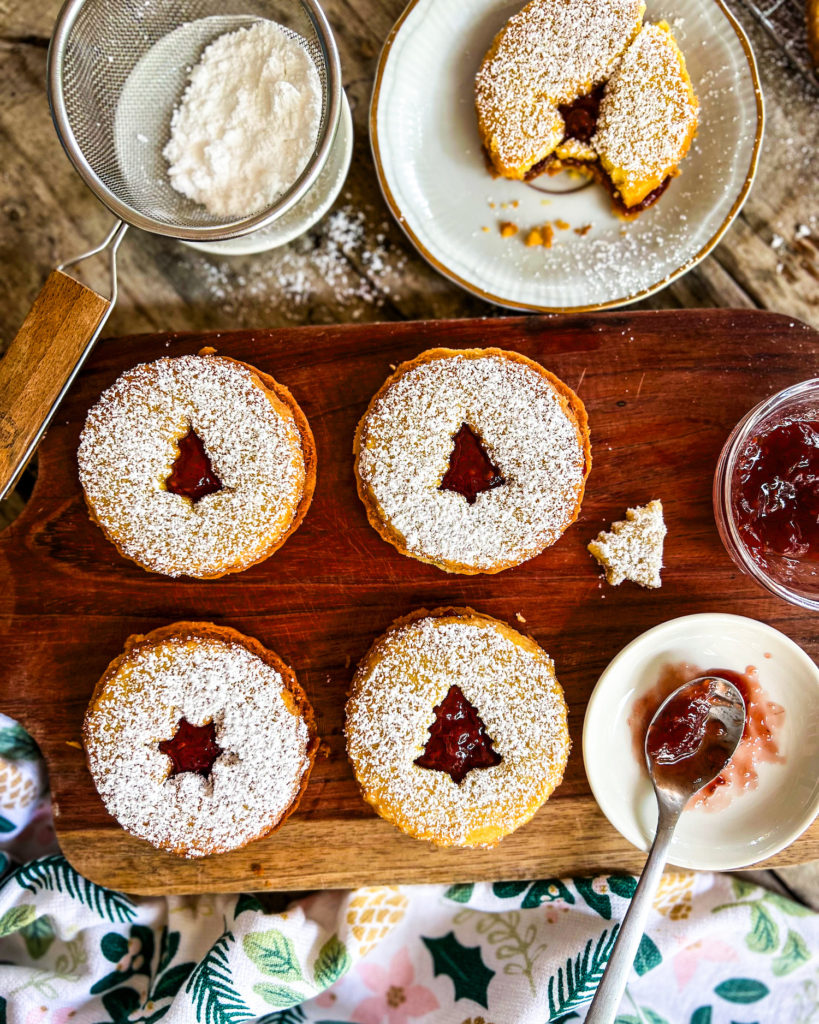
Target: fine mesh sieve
x=116, y=70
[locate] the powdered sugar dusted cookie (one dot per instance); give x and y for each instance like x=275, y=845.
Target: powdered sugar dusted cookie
x=473, y=460
x=199, y=739
x=633, y=550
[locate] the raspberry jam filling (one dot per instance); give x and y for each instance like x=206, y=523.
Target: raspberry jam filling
x=580, y=116
x=776, y=492
x=457, y=739
x=192, y=749
x=192, y=474
x=470, y=469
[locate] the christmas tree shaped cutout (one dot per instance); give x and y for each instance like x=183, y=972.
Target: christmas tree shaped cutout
x=471, y=471
x=192, y=475
x=457, y=739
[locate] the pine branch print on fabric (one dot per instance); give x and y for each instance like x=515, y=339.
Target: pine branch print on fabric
x=56, y=874
x=582, y=976
x=215, y=999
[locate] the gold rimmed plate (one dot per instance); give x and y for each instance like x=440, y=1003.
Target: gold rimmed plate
x=432, y=172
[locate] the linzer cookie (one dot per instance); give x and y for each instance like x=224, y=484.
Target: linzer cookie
x=472, y=460
x=587, y=86
x=648, y=116
x=456, y=727
x=550, y=53
x=197, y=466
x=199, y=739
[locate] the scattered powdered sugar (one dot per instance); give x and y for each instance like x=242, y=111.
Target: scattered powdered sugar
x=634, y=548
x=129, y=444
x=648, y=113
x=342, y=262
x=248, y=121
x=511, y=684
x=549, y=53
x=405, y=445
x=202, y=679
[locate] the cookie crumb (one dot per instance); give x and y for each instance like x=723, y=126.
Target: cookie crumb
x=520, y=618
x=508, y=229
x=562, y=224
x=633, y=550
x=584, y=230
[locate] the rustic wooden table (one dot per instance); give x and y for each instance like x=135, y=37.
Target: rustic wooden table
x=356, y=265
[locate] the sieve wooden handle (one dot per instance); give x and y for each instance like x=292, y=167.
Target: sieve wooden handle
x=39, y=364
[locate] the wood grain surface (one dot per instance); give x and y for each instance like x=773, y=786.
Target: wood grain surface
x=51, y=341
x=662, y=390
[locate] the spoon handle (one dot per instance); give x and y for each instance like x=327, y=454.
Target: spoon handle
x=613, y=983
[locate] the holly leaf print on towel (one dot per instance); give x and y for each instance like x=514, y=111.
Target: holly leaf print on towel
x=463, y=964
x=215, y=999
x=598, y=901
x=273, y=953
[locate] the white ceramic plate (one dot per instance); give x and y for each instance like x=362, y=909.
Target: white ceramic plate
x=429, y=162
x=757, y=823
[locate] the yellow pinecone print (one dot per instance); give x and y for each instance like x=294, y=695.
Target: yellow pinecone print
x=373, y=913
x=16, y=789
x=674, y=895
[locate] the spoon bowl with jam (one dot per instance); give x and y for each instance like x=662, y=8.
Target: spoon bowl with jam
x=689, y=741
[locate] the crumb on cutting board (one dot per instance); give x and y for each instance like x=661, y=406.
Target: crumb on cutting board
x=633, y=550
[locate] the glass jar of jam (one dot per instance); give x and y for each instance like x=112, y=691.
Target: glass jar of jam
x=766, y=494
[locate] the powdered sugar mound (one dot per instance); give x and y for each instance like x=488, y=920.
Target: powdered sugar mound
x=407, y=438
x=248, y=121
x=513, y=688
x=129, y=444
x=252, y=783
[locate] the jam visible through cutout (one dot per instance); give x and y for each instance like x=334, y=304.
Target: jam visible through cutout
x=457, y=739
x=470, y=469
x=192, y=749
x=192, y=474
x=581, y=115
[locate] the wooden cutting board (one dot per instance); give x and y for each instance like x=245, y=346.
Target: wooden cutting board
x=662, y=390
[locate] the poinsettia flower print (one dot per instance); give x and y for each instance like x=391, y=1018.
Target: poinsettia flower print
x=395, y=1000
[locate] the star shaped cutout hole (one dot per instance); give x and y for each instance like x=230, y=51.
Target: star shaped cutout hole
x=471, y=471
x=457, y=739
x=192, y=475
x=193, y=748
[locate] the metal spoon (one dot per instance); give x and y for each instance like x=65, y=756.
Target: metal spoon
x=682, y=755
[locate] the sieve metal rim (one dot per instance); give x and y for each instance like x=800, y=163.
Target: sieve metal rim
x=211, y=232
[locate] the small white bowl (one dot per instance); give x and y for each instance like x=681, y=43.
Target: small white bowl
x=757, y=823
x=308, y=210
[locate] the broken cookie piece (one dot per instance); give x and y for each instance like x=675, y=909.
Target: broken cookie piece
x=633, y=550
